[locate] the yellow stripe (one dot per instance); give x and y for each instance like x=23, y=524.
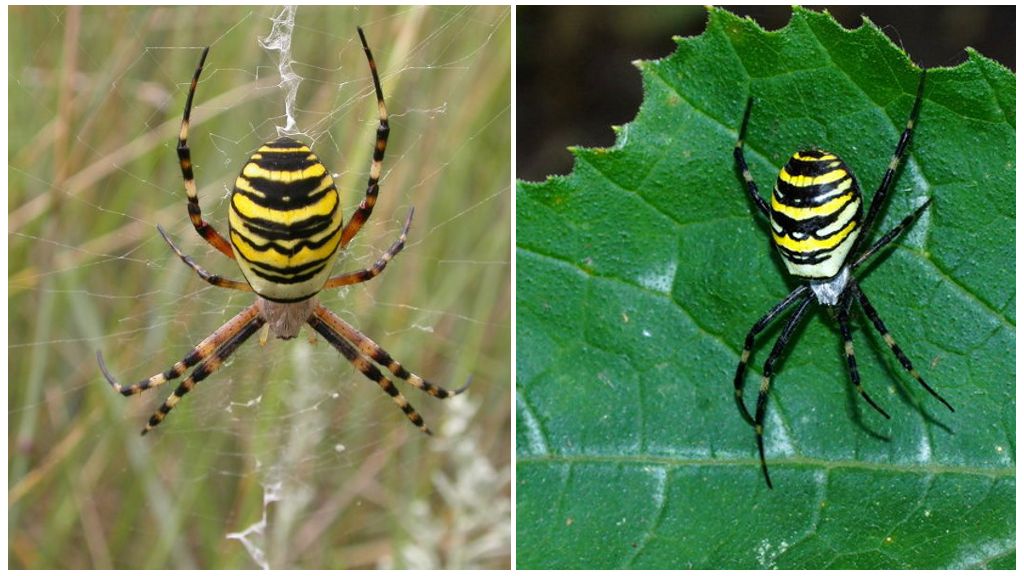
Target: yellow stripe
x=804, y=181
x=276, y=259
x=803, y=213
x=254, y=239
x=253, y=170
x=244, y=185
x=798, y=156
x=812, y=244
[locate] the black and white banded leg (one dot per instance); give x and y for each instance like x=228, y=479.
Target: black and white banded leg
x=766, y=379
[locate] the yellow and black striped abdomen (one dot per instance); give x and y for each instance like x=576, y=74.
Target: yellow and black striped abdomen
x=285, y=221
x=815, y=214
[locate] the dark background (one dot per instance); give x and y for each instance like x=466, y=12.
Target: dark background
x=575, y=78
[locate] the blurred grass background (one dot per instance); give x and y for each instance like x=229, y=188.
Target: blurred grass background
x=95, y=102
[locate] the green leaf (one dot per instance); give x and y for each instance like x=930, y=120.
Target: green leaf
x=641, y=272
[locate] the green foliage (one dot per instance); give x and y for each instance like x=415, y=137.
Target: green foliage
x=640, y=273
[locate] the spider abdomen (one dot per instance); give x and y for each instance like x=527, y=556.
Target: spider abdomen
x=815, y=214
x=285, y=221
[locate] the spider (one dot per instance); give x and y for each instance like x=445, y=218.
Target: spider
x=817, y=224
x=285, y=227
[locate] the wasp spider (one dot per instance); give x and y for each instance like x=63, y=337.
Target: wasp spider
x=817, y=224
x=284, y=229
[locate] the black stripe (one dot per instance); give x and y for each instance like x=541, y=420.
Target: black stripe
x=808, y=257
x=333, y=339
x=284, y=160
x=288, y=273
x=816, y=195
x=186, y=172
x=276, y=279
x=269, y=230
x=277, y=229
x=811, y=226
x=274, y=200
x=299, y=192
x=283, y=142
x=281, y=249
x=801, y=167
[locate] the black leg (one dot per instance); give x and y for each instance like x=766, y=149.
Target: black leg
x=891, y=343
x=741, y=369
x=890, y=235
x=766, y=380
x=741, y=163
x=901, y=147
x=843, y=316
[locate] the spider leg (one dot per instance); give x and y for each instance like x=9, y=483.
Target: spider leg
x=766, y=380
x=378, y=266
x=195, y=214
x=891, y=343
x=366, y=367
x=201, y=352
x=368, y=347
x=211, y=278
x=741, y=369
x=843, y=316
x=209, y=354
x=232, y=339
x=901, y=147
x=890, y=235
x=741, y=163
x=366, y=206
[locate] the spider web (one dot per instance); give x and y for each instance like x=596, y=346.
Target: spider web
x=286, y=456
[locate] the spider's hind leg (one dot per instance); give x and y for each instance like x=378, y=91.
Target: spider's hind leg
x=872, y=315
x=209, y=354
x=897, y=156
x=843, y=317
x=748, y=344
x=207, y=367
x=361, y=363
x=766, y=379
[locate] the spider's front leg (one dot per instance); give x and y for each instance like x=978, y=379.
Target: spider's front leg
x=843, y=317
x=195, y=214
x=380, y=145
x=741, y=163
